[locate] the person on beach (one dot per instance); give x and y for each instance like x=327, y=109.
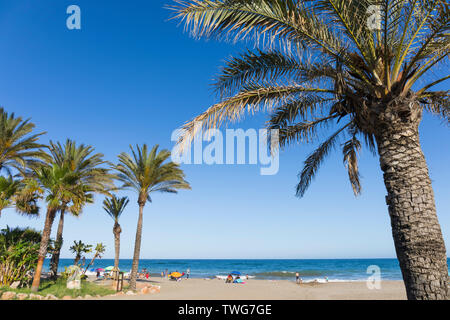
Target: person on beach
x=147, y=275
x=229, y=279
x=167, y=272
x=188, y=272
x=162, y=274
x=297, y=278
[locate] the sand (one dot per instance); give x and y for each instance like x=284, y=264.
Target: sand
x=202, y=289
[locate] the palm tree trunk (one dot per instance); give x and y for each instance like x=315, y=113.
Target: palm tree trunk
x=417, y=235
x=58, y=244
x=137, y=249
x=116, y=231
x=43, y=248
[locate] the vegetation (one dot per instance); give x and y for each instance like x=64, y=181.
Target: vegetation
x=367, y=81
x=114, y=207
x=145, y=172
x=18, y=255
x=99, y=251
x=18, y=146
x=80, y=249
x=92, y=177
x=58, y=288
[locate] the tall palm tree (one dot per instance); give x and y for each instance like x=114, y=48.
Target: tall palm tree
x=95, y=178
x=147, y=172
x=114, y=207
x=342, y=64
x=68, y=186
x=59, y=184
x=18, y=145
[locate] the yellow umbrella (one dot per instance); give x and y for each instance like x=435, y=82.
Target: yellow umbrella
x=175, y=274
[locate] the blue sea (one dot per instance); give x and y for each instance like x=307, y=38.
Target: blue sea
x=309, y=269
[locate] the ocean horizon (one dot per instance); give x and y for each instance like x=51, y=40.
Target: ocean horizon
x=264, y=269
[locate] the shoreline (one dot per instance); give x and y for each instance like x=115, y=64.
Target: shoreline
x=253, y=289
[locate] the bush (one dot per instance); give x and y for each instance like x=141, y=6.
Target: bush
x=18, y=255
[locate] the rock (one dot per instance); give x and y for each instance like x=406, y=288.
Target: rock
x=155, y=289
x=8, y=295
x=88, y=296
x=120, y=293
x=22, y=296
x=35, y=297
x=50, y=297
x=15, y=285
x=67, y=298
x=145, y=290
x=130, y=293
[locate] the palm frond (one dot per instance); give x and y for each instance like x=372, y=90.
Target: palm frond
x=313, y=162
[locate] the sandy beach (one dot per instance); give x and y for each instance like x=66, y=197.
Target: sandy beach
x=202, y=289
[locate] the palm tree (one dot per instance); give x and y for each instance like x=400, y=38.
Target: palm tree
x=8, y=188
x=145, y=172
x=99, y=251
x=337, y=63
x=67, y=187
x=21, y=193
x=95, y=178
x=59, y=184
x=114, y=207
x=80, y=248
x=18, y=146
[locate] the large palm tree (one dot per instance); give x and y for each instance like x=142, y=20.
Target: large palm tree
x=145, y=172
x=114, y=207
x=358, y=66
x=18, y=145
x=94, y=177
x=59, y=184
x=68, y=186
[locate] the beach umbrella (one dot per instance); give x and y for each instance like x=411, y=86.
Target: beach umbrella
x=100, y=269
x=175, y=274
x=109, y=268
x=237, y=273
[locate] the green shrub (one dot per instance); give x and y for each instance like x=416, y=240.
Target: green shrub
x=18, y=255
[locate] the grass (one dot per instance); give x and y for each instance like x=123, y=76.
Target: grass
x=58, y=288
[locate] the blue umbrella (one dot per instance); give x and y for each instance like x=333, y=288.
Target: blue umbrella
x=236, y=273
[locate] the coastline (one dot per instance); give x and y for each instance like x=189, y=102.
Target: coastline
x=215, y=289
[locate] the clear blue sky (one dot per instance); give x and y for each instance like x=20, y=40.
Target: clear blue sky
x=130, y=76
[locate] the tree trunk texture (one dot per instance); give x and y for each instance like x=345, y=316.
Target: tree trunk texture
x=137, y=249
x=416, y=231
x=117, y=230
x=54, y=263
x=43, y=248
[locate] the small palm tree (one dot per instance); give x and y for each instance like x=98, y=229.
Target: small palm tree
x=147, y=172
x=18, y=146
x=80, y=249
x=114, y=207
x=358, y=66
x=93, y=176
x=99, y=251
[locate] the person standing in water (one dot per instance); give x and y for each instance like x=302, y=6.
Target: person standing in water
x=188, y=272
x=297, y=278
